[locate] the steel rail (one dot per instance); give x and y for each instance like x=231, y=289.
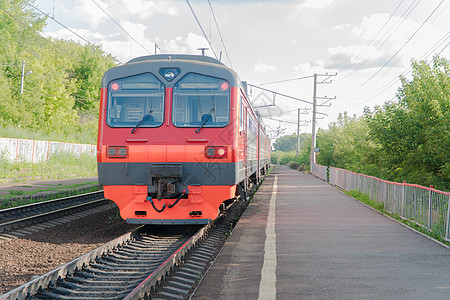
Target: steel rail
x=34, y=286
x=96, y=263
x=116, y=247
x=48, y=210
x=165, y=269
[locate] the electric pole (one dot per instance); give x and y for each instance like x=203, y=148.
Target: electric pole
x=278, y=131
x=22, y=78
x=298, y=130
x=314, y=116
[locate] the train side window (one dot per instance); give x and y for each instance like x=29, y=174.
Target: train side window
x=201, y=99
x=132, y=98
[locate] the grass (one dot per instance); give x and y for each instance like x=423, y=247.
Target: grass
x=59, y=166
x=8, y=201
x=379, y=206
x=83, y=136
x=22, y=193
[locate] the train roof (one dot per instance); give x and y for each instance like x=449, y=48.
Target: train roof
x=183, y=62
x=201, y=58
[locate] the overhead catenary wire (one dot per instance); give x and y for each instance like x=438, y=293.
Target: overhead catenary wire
x=403, y=18
x=37, y=93
x=373, y=39
x=123, y=29
x=61, y=24
x=388, y=85
x=220, y=34
x=201, y=28
x=45, y=39
x=281, y=94
x=286, y=80
x=398, y=51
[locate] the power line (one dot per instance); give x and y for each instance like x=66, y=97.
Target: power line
x=284, y=121
x=403, y=18
x=47, y=15
x=201, y=28
x=123, y=29
x=373, y=39
x=38, y=93
x=286, y=80
x=398, y=51
x=220, y=34
x=388, y=85
x=281, y=94
x=45, y=39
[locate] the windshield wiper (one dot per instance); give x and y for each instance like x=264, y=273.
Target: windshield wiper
x=205, y=120
x=143, y=120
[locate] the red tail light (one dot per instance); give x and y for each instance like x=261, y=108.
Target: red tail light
x=117, y=152
x=216, y=152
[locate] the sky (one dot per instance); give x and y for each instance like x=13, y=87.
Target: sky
x=366, y=44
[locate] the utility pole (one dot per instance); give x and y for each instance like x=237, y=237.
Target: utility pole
x=313, y=136
x=314, y=116
x=22, y=77
x=298, y=131
x=278, y=131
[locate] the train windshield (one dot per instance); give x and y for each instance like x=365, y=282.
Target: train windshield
x=201, y=101
x=136, y=101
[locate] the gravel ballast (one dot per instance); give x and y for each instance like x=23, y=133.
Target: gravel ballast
x=22, y=259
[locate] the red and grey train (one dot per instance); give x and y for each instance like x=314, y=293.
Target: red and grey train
x=177, y=138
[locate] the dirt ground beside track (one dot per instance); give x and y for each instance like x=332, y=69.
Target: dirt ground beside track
x=34, y=255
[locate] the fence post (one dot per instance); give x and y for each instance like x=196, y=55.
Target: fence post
x=429, y=207
x=403, y=199
x=447, y=228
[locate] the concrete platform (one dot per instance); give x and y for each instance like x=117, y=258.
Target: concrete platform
x=310, y=241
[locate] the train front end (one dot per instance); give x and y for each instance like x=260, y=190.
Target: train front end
x=167, y=139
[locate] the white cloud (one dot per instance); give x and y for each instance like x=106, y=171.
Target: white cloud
x=144, y=8
x=309, y=68
x=341, y=26
x=262, y=68
x=187, y=45
x=66, y=34
x=370, y=25
x=354, y=51
x=136, y=30
x=90, y=12
x=396, y=31
x=315, y=4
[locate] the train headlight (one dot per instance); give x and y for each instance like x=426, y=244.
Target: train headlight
x=123, y=151
x=112, y=151
x=216, y=152
x=210, y=151
x=117, y=151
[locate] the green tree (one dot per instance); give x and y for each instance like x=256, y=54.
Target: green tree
x=346, y=144
x=413, y=133
x=61, y=95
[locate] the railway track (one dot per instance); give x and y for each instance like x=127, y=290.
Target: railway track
x=22, y=216
x=151, y=262
x=118, y=267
